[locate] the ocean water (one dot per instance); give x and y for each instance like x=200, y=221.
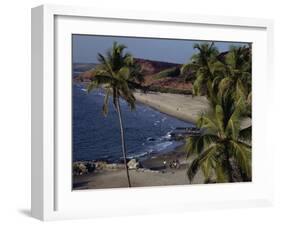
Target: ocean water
x=95, y=137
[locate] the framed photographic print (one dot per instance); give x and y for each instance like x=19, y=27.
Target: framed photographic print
x=136, y=113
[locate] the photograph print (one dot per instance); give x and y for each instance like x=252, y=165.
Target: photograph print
x=157, y=112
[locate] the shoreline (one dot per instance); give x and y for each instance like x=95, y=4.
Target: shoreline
x=152, y=173
x=147, y=162
x=183, y=107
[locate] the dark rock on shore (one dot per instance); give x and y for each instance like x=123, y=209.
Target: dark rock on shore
x=85, y=167
x=79, y=168
x=133, y=164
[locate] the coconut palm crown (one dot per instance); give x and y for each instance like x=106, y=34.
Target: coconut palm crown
x=201, y=66
x=223, y=150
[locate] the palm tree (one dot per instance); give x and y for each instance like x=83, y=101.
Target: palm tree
x=206, y=52
x=201, y=66
x=223, y=150
x=220, y=74
x=118, y=75
x=237, y=72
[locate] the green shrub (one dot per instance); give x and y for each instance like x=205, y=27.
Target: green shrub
x=169, y=90
x=170, y=72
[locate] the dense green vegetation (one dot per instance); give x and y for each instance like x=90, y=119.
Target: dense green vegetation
x=170, y=72
x=162, y=89
x=223, y=150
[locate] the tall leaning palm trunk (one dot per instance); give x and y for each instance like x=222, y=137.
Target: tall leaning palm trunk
x=124, y=148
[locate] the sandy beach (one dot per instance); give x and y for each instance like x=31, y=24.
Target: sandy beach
x=153, y=173
x=184, y=107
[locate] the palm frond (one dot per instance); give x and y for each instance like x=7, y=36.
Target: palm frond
x=245, y=134
x=209, y=123
x=234, y=121
x=124, y=73
x=91, y=86
x=105, y=63
x=200, y=159
x=221, y=175
x=198, y=83
x=194, y=145
x=243, y=155
x=219, y=113
x=225, y=84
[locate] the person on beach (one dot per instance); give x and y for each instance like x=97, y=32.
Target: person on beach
x=165, y=164
x=175, y=164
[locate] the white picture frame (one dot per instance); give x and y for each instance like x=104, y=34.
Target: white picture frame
x=52, y=197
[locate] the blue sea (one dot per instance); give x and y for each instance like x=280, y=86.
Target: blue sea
x=96, y=137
